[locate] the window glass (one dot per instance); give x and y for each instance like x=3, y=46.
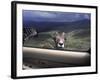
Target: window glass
x=56, y=30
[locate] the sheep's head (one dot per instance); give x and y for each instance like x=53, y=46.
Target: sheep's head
x=59, y=39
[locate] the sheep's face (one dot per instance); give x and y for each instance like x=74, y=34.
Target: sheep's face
x=59, y=39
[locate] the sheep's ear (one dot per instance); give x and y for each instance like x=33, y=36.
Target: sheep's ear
x=63, y=33
x=56, y=33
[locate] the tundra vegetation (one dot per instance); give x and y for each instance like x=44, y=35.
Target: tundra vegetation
x=75, y=40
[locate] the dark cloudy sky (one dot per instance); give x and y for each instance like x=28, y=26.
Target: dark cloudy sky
x=31, y=15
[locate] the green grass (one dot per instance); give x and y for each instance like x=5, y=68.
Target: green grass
x=75, y=40
x=78, y=40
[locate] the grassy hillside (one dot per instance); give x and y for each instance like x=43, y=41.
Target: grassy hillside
x=78, y=40
x=75, y=40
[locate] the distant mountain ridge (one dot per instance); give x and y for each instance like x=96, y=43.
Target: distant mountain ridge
x=62, y=26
